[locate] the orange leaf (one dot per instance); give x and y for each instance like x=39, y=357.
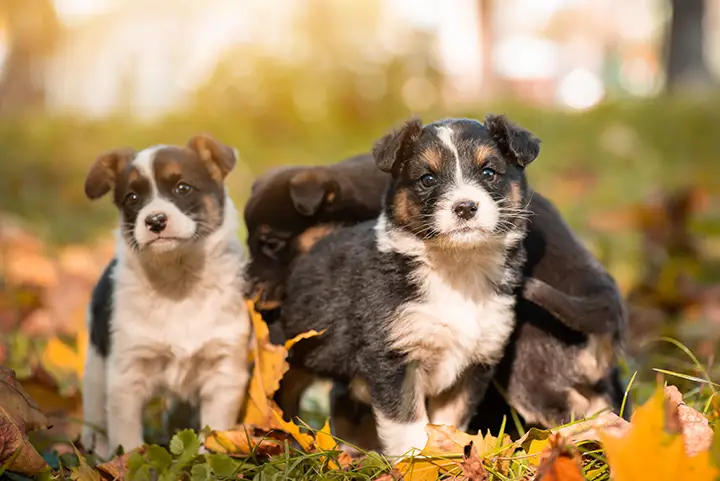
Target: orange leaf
x=561, y=468
x=648, y=440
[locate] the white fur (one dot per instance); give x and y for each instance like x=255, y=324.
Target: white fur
x=399, y=438
x=459, y=319
x=445, y=134
x=179, y=326
x=459, y=231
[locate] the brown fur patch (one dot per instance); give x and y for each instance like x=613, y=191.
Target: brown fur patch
x=483, y=152
x=311, y=236
x=404, y=209
x=515, y=193
x=433, y=158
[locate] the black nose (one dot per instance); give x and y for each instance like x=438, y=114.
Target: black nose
x=465, y=209
x=156, y=223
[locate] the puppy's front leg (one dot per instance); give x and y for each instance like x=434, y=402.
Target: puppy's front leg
x=223, y=390
x=129, y=387
x=94, y=404
x=398, y=404
x=456, y=406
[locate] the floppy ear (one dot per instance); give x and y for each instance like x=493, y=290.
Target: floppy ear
x=392, y=147
x=220, y=158
x=515, y=142
x=104, y=172
x=309, y=189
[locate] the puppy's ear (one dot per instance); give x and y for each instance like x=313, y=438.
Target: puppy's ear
x=390, y=151
x=516, y=143
x=309, y=189
x=219, y=158
x=104, y=172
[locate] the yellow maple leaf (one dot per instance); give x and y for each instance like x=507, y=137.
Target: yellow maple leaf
x=650, y=452
x=270, y=365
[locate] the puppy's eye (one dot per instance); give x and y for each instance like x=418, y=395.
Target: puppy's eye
x=131, y=199
x=488, y=173
x=428, y=180
x=272, y=246
x=182, y=189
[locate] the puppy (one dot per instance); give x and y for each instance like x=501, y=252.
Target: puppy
x=572, y=283
x=291, y=208
x=418, y=305
x=561, y=363
x=167, y=315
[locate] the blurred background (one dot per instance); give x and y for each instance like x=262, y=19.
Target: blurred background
x=623, y=93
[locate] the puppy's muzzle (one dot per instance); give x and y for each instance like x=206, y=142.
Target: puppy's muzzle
x=156, y=223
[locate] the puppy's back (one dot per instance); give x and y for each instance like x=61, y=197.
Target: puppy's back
x=348, y=287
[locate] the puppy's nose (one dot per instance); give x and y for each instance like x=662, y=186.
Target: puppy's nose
x=156, y=223
x=465, y=209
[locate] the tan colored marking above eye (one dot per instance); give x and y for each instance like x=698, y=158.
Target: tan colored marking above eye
x=433, y=158
x=483, y=153
x=264, y=229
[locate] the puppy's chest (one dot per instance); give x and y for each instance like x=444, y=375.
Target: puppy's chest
x=175, y=341
x=452, y=326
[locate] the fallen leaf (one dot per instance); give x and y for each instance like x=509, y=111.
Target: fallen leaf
x=83, y=472
x=19, y=414
x=590, y=429
x=649, y=440
x=560, y=462
x=306, y=441
x=443, y=451
x=269, y=367
x=60, y=356
x=697, y=434
x=246, y=439
x=472, y=466
x=117, y=467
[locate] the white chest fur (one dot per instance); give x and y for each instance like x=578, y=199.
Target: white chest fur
x=460, y=319
x=169, y=331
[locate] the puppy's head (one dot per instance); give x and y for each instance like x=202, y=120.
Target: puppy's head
x=291, y=208
x=457, y=182
x=168, y=196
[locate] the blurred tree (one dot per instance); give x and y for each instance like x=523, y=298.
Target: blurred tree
x=33, y=30
x=343, y=70
x=686, y=68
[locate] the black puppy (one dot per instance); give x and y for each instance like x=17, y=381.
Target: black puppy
x=418, y=305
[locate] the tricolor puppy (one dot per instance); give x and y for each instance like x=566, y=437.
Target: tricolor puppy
x=167, y=316
x=418, y=305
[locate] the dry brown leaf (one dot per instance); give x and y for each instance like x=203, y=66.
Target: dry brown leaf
x=697, y=433
x=589, y=430
x=472, y=466
x=18, y=415
x=246, y=439
x=117, y=467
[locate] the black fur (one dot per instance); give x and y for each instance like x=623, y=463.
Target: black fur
x=101, y=310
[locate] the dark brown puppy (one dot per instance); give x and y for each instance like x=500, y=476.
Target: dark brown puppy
x=291, y=208
x=571, y=317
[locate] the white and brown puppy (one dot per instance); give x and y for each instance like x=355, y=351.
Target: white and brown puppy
x=418, y=305
x=168, y=315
